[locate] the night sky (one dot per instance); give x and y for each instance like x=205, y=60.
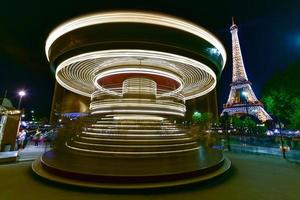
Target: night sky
x=269, y=33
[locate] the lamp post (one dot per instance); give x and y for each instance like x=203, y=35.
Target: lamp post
x=21, y=93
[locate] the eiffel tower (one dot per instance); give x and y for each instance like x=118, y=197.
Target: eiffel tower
x=242, y=99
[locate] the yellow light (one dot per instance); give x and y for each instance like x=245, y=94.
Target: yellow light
x=131, y=152
x=197, y=78
x=136, y=17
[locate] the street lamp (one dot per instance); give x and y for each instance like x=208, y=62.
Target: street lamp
x=245, y=94
x=21, y=93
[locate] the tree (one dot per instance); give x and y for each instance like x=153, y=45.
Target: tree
x=261, y=130
x=250, y=124
x=237, y=123
x=295, y=117
x=202, y=119
x=206, y=119
x=281, y=95
x=244, y=125
x=279, y=103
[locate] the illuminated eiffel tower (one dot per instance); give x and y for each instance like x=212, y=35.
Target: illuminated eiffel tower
x=242, y=99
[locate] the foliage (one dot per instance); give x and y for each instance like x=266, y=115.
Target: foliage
x=281, y=96
x=206, y=119
x=243, y=125
x=261, y=130
x=202, y=119
x=249, y=123
x=237, y=123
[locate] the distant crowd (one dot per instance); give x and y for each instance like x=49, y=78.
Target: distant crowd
x=34, y=137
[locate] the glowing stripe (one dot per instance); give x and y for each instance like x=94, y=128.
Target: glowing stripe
x=199, y=78
x=134, y=131
x=159, y=94
x=133, y=152
x=136, y=111
x=145, y=117
x=132, y=126
x=135, y=146
x=136, y=17
x=116, y=106
x=143, y=70
x=138, y=135
x=129, y=140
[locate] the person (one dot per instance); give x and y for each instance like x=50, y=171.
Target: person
x=36, y=137
x=21, y=138
x=27, y=138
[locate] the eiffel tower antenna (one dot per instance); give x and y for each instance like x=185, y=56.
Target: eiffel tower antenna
x=232, y=20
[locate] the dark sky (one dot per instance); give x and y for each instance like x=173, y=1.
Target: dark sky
x=269, y=34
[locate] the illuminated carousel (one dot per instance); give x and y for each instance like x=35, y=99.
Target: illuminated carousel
x=138, y=69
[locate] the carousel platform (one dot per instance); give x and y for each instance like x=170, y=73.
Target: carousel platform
x=131, y=172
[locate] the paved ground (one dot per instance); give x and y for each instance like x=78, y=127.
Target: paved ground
x=32, y=152
x=292, y=155
x=252, y=177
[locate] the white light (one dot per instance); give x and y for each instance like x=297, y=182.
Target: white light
x=245, y=94
x=143, y=70
x=197, y=78
x=22, y=93
x=134, y=17
x=133, y=152
x=138, y=111
x=132, y=117
x=163, y=134
x=213, y=51
x=134, y=140
x=135, y=146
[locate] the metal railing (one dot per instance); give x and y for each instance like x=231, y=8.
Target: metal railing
x=255, y=144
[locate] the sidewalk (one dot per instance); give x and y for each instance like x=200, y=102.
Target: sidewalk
x=292, y=155
x=32, y=152
x=9, y=156
x=252, y=177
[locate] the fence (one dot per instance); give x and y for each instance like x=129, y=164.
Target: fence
x=255, y=144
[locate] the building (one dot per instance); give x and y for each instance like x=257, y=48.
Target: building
x=242, y=100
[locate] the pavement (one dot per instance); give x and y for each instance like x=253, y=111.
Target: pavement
x=8, y=156
x=32, y=152
x=251, y=177
x=292, y=155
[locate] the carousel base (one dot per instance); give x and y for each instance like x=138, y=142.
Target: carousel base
x=131, y=172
